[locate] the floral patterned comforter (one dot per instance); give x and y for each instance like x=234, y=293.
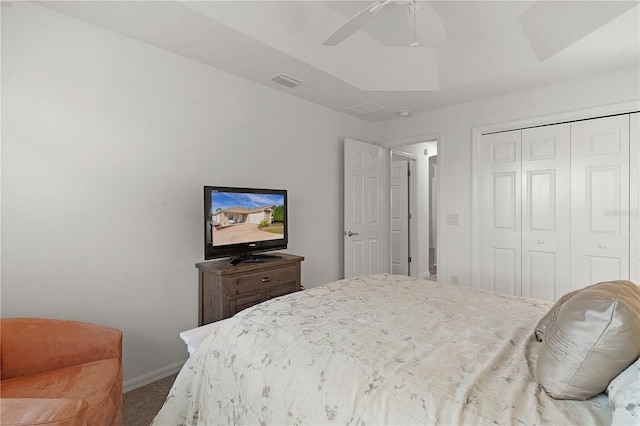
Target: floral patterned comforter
x=379, y=349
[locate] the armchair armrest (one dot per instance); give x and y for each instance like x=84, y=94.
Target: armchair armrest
x=43, y=411
x=33, y=345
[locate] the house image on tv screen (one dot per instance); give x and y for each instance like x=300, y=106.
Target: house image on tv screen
x=240, y=218
x=234, y=215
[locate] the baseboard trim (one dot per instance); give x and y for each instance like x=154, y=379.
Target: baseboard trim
x=151, y=377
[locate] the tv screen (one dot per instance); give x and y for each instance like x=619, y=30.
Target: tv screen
x=242, y=222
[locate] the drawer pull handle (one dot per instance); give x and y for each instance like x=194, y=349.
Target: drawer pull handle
x=266, y=279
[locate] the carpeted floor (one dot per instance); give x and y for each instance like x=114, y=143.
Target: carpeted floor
x=141, y=405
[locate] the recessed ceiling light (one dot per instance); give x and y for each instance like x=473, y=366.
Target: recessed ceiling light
x=404, y=113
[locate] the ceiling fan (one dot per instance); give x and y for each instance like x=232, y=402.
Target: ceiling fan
x=360, y=19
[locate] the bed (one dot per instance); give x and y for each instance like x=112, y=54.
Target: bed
x=379, y=349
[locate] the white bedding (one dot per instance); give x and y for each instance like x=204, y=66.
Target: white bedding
x=381, y=349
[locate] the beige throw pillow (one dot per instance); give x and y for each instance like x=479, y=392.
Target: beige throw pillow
x=541, y=327
x=589, y=340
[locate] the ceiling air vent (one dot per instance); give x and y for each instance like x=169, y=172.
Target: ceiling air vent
x=285, y=80
x=365, y=108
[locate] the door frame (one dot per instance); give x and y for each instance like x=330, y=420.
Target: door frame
x=634, y=201
x=476, y=165
x=398, y=144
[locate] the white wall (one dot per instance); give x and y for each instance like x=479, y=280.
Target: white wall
x=454, y=124
x=107, y=143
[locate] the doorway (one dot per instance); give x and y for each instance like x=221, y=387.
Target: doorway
x=417, y=241
x=433, y=212
x=402, y=213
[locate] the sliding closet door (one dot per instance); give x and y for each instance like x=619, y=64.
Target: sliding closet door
x=634, y=181
x=599, y=200
x=501, y=212
x=546, y=219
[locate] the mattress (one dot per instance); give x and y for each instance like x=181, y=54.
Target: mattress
x=379, y=349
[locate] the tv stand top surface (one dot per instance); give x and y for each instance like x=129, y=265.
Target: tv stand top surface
x=223, y=266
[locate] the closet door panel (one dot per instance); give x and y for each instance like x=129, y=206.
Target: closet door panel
x=501, y=212
x=540, y=270
x=599, y=200
x=602, y=268
x=634, y=181
x=546, y=244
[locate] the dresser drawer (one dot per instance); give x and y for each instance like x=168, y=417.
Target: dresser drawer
x=263, y=281
x=238, y=303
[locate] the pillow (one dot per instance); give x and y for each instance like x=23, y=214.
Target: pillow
x=541, y=327
x=589, y=340
x=624, y=396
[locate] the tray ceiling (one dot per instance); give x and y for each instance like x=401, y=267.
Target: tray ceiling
x=467, y=49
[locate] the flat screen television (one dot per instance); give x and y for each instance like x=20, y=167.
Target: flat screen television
x=241, y=223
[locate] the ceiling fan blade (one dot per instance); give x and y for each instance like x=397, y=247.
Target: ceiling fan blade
x=358, y=21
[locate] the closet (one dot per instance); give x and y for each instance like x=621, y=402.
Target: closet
x=560, y=206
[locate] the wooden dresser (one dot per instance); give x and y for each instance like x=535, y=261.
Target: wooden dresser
x=225, y=289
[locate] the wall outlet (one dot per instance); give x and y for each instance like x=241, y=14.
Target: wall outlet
x=455, y=279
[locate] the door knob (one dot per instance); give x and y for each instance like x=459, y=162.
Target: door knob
x=351, y=234
x=602, y=246
x=540, y=241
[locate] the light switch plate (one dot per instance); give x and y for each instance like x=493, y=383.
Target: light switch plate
x=452, y=219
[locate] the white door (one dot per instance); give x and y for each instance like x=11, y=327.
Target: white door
x=599, y=200
x=634, y=213
x=365, y=223
x=433, y=212
x=399, y=217
x=546, y=191
x=501, y=212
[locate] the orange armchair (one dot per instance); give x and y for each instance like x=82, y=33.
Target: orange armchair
x=57, y=372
